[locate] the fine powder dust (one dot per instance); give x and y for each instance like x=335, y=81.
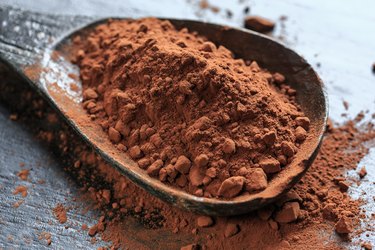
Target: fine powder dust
x=60, y=213
x=321, y=195
x=185, y=110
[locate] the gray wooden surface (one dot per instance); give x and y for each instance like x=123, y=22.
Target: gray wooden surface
x=338, y=35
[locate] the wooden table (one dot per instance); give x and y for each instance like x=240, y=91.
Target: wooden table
x=337, y=37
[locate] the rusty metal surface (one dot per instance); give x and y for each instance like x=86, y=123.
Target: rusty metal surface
x=322, y=32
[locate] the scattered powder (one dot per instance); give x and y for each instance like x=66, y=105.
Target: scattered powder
x=18, y=203
x=23, y=174
x=259, y=24
x=41, y=181
x=13, y=117
x=60, y=213
x=362, y=172
x=20, y=190
x=367, y=245
x=322, y=203
x=186, y=110
x=204, y=4
x=316, y=203
x=45, y=236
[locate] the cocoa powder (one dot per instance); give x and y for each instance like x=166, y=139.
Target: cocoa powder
x=186, y=110
x=23, y=174
x=317, y=203
x=45, y=236
x=322, y=203
x=259, y=24
x=60, y=213
x=21, y=190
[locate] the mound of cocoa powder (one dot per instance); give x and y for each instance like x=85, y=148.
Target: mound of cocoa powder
x=323, y=205
x=186, y=110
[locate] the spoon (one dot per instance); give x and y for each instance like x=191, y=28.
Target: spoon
x=40, y=53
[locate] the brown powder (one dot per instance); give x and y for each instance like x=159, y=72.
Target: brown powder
x=41, y=181
x=23, y=174
x=45, y=236
x=60, y=213
x=317, y=203
x=186, y=110
x=18, y=203
x=366, y=245
x=322, y=203
x=20, y=190
x=259, y=24
x=204, y=4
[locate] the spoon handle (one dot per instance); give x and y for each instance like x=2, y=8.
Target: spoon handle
x=24, y=35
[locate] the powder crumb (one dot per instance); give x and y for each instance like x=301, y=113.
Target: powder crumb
x=41, y=181
x=60, y=213
x=20, y=190
x=13, y=117
x=231, y=187
x=106, y=194
x=246, y=10
x=362, y=172
x=97, y=228
x=344, y=185
x=18, y=203
x=204, y=221
x=344, y=225
x=84, y=227
x=205, y=4
x=46, y=236
x=93, y=240
x=367, y=245
x=10, y=238
x=259, y=24
x=23, y=174
x=346, y=105
x=92, y=231
x=231, y=229
x=289, y=212
x=229, y=146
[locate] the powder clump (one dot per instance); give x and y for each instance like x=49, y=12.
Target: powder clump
x=188, y=112
x=60, y=213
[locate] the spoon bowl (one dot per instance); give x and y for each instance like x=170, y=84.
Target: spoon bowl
x=52, y=73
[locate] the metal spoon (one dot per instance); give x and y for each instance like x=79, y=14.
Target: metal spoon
x=32, y=53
